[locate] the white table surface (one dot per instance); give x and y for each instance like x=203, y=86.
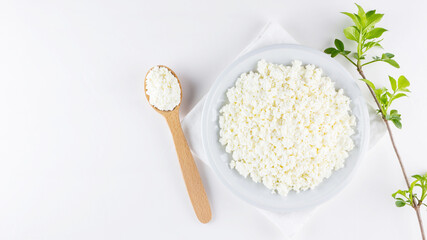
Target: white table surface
x=83, y=156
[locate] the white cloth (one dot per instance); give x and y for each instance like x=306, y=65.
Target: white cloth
x=289, y=223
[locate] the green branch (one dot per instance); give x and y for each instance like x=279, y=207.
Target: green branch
x=367, y=36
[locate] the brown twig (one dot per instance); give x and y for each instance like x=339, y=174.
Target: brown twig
x=362, y=74
x=420, y=221
x=402, y=167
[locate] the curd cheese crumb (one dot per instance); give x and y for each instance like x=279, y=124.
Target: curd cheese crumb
x=163, y=88
x=286, y=126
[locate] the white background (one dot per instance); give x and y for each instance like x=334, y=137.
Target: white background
x=83, y=156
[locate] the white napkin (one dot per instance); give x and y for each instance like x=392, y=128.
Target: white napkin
x=289, y=223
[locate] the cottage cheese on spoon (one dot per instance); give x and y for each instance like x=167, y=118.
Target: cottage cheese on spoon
x=163, y=88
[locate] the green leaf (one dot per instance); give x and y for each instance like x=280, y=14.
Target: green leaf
x=404, y=90
x=345, y=53
x=370, y=84
x=362, y=15
x=393, y=115
x=360, y=12
x=330, y=50
x=373, y=19
x=335, y=53
x=396, y=117
x=352, y=33
x=339, y=44
x=387, y=55
x=360, y=21
x=375, y=33
x=419, y=177
x=393, y=83
x=370, y=45
x=384, y=99
x=400, y=203
x=401, y=192
x=397, y=123
x=369, y=14
x=399, y=95
x=380, y=91
x=394, y=112
x=353, y=17
x=402, y=83
x=411, y=188
x=391, y=62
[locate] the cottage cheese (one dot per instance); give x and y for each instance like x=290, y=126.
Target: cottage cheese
x=163, y=88
x=286, y=126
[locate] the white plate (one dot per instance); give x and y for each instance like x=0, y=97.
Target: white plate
x=256, y=193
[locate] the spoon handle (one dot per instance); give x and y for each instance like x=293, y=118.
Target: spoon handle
x=189, y=170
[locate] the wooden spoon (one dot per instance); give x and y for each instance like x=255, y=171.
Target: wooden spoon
x=189, y=170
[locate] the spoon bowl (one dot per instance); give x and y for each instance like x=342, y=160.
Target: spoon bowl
x=163, y=112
